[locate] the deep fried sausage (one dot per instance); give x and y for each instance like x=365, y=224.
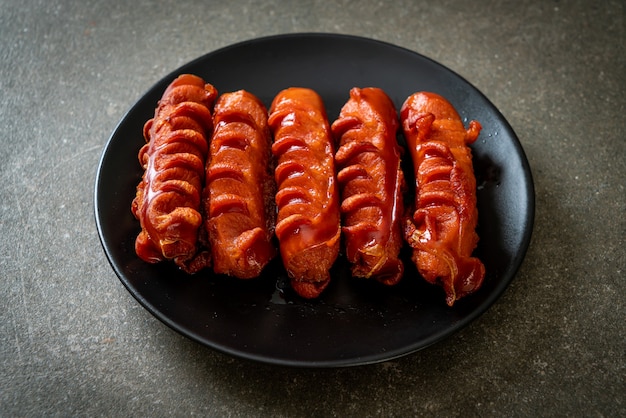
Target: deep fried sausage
x=240, y=211
x=168, y=199
x=308, y=224
x=441, y=230
x=371, y=184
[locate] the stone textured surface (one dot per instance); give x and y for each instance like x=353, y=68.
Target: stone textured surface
x=74, y=342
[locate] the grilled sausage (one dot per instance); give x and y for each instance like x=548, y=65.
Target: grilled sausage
x=308, y=224
x=168, y=199
x=239, y=203
x=441, y=230
x=371, y=184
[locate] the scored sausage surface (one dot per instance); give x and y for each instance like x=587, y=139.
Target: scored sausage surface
x=168, y=199
x=371, y=184
x=308, y=223
x=442, y=228
x=240, y=212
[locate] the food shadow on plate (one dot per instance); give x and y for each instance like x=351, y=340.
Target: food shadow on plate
x=489, y=229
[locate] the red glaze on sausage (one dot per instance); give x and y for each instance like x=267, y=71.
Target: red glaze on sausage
x=442, y=229
x=240, y=187
x=371, y=184
x=308, y=224
x=168, y=199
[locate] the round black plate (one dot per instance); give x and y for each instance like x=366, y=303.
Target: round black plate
x=354, y=321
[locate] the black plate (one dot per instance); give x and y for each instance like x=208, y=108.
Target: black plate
x=354, y=322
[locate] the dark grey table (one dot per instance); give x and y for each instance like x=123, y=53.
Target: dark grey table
x=74, y=342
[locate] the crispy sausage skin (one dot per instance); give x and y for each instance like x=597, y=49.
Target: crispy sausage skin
x=371, y=184
x=240, y=188
x=441, y=230
x=168, y=199
x=308, y=224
